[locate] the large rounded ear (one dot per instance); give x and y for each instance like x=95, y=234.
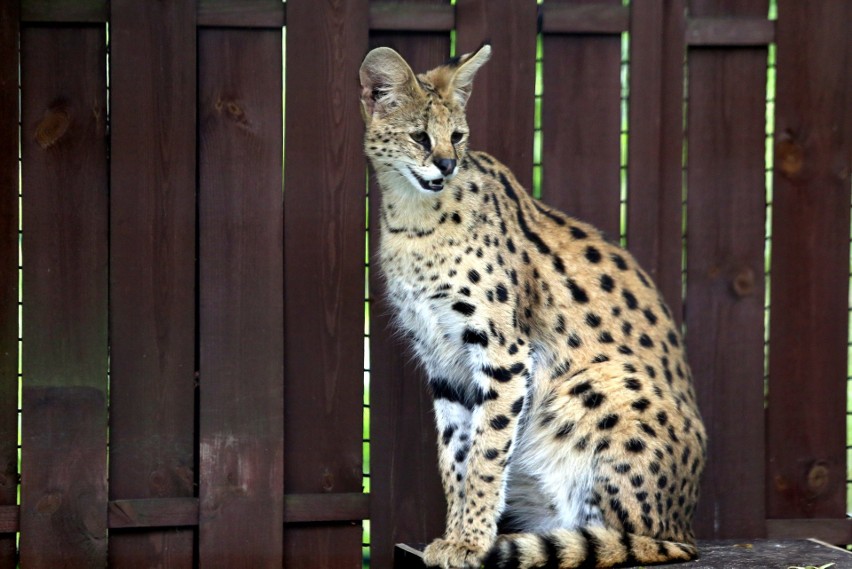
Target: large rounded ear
x=386, y=79
x=468, y=65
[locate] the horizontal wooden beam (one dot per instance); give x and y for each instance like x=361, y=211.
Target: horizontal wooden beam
x=64, y=11
x=242, y=14
x=837, y=531
x=729, y=32
x=409, y=17
x=584, y=19
x=181, y=512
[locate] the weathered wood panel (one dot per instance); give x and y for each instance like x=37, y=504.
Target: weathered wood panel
x=324, y=187
x=152, y=269
x=406, y=496
x=64, y=498
x=810, y=262
x=501, y=109
x=725, y=241
x=654, y=167
x=8, y=270
x=582, y=99
x=241, y=286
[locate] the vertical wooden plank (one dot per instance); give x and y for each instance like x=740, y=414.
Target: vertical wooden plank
x=501, y=110
x=9, y=14
x=64, y=495
x=810, y=261
x=725, y=222
x=582, y=95
x=407, y=501
x=324, y=189
x=152, y=271
x=241, y=286
x=655, y=172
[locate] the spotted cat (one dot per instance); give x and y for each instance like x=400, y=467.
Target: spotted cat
x=565, y=411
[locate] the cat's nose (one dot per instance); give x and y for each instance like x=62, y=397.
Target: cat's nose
x=445, y=165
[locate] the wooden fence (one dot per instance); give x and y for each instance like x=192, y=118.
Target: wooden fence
x=193, y=336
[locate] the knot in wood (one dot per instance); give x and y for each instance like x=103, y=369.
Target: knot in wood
x=327, y=481
x=790, y=157
x=818, y=477
x=49, y=503
x=53, y=126
x=743, y=283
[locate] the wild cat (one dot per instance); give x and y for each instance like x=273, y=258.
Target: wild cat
x=564, y=404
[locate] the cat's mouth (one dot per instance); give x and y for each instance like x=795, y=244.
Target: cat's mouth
x=428, y=185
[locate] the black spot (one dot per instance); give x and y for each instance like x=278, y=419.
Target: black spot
x=574, y=340
x=634, y=445
x=654, y=467
x=593, y=319
x=491, y=453
x=619, y=261
x=577, y=292
x=464, y=307
x=461, y=454
x=646, y=341
x=565, y=430
x=629, y=299
x=513, y=349
x=650, y=371
x=510, y=245
x=582, y=443
x=673, y=339
x=501, y=374
x=558, y=265
x=622, y=349
x=499, y=422
x=578, y=233
x=447, y=435
x=502, y=293
x=608, y=422
x=626, y=329
x=605, y=338
x=637, y=480
x=471, y=336
x=648, y=430
x=517, y=406
x=473, y=276
x=600, y=358
x=650, y=316
x=580, y=388
x=622, y=468
x=642, y=496
x=593, y=400
x=593, y=255
x=662, y=419
x=607, y=284
x=640, y=404
x=662, y=481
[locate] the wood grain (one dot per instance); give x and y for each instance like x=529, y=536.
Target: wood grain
x=501, y=110
x=152, y=269
x=725, y=282
x=241, y=426
x=654, y=167
x=9, y=13
x=64, y=430
x=325, y=184
x=582, y=95
x=810, y=263
x=407, y=501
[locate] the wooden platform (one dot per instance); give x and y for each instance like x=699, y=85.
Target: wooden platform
x=762, y=554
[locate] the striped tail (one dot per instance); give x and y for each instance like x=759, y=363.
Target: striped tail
x=585, y=547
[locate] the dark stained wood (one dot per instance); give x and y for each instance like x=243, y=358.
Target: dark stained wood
x=725, y=280
x=325, y=183
x=407, y=501
x=337, y=507
x=501, y=109
x=581, y=156
x=411, y=16
x=830, y=530
x=729, y=32
x=9, y=13
x=654, y=168
x=9, y=523
x=810, y=258
x=244, y=14
x=152, y=269
x=241, y=427
x=153, y=512
x=64, y=430
x=584, y=18
x=64, y=11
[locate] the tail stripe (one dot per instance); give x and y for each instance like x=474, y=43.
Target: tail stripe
x=627, y=542
x=552, y=552
x=591, y=557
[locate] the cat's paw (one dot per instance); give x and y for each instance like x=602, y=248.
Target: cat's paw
x=453, y=555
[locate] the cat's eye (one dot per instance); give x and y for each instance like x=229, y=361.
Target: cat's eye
x=420, y=137
x=456, y=137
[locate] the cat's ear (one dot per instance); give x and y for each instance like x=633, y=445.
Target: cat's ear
x=466, y=68
x=386, y=79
